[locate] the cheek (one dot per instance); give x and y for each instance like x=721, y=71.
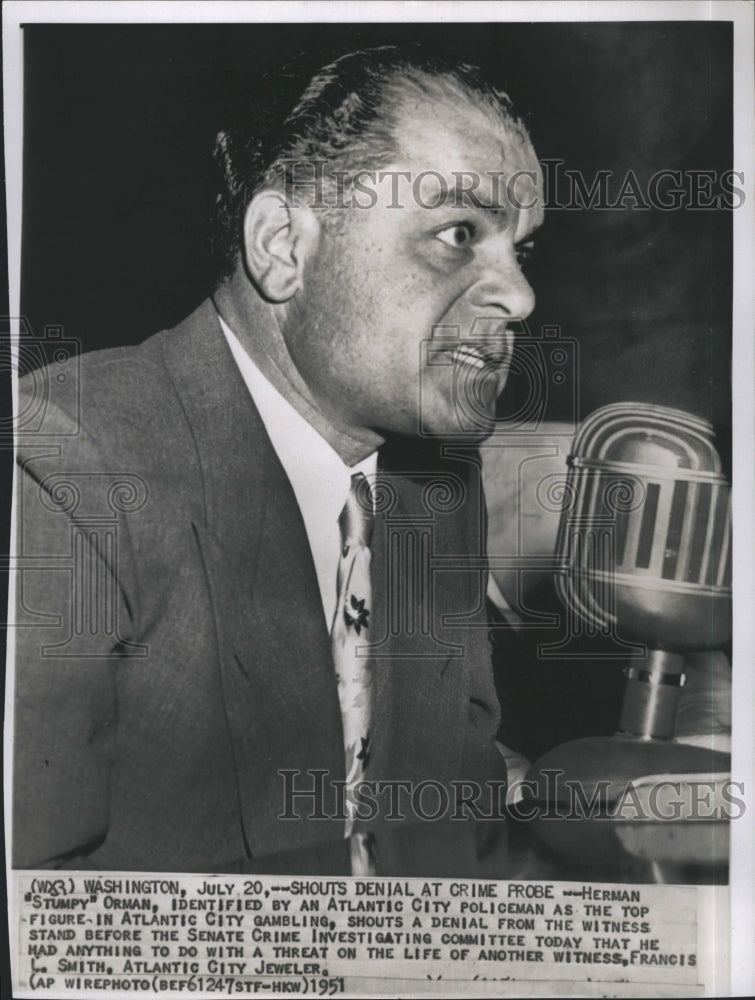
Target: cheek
x=373, y=307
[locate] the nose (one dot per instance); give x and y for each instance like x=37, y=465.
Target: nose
x=504, y=287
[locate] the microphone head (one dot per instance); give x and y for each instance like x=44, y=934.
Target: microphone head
x=644, y=544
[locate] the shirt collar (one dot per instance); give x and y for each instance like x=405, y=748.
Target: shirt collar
x=318, y=475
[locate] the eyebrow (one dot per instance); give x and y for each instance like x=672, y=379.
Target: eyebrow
x=501, y=215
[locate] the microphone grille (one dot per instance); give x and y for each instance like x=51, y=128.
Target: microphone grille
x=648, y=531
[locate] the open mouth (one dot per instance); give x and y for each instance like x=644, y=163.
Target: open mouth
x=481, y=356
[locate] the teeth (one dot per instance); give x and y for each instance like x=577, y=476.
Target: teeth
x=476, y=356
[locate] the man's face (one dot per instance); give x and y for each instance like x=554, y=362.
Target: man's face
x=403, y=322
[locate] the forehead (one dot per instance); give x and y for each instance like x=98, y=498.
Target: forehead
x=455, y=137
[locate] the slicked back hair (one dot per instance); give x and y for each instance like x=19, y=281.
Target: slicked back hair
x=345, y=121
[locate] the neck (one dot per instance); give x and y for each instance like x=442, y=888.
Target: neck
x=257, y=324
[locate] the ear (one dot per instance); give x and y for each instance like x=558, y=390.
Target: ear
x=278, y=239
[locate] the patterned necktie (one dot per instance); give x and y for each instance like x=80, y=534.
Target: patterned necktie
x=348, y=640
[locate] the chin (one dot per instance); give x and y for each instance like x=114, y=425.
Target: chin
x=473, y=428
x=463, y=409
x=478, y=433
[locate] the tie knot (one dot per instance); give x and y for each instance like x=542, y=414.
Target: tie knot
x=356, y=520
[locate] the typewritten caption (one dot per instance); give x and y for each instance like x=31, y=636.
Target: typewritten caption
x=155, y=935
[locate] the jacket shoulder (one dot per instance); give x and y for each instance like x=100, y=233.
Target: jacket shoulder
x=96, y=390
x=119, y=401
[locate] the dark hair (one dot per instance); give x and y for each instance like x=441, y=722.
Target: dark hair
x=345, y=118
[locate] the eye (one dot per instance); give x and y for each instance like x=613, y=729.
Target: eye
x=458, y=235
x=524, y=252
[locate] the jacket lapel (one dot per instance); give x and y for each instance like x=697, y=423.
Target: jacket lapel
x=276, y=671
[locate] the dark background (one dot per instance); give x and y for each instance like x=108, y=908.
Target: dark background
x=118, y=188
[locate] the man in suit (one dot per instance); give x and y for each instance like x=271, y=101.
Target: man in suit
x=179, y=699
x=175, y=691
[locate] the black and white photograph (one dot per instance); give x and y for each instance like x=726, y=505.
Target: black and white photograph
x=381, y=468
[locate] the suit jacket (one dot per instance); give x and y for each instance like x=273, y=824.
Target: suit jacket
x=172, y=652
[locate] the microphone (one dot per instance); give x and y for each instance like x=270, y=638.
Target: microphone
x=644, y=547
x=643, y=556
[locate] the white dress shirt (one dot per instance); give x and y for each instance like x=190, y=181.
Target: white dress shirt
x=320, y=478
